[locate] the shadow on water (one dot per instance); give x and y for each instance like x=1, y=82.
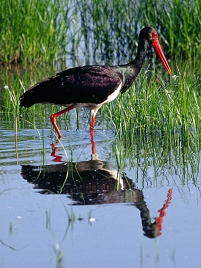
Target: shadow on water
x=92, y=182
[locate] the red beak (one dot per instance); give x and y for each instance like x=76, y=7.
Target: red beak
x=156, y=45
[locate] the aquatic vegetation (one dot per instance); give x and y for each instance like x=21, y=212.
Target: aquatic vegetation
x=96, y=31
x=32, y=31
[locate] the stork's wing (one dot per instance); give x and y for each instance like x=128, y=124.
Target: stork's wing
x=87, y=84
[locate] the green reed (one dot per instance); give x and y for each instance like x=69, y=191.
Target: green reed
x=113, y=27
x=158, y=104
x=32, y=31
x=94, y=31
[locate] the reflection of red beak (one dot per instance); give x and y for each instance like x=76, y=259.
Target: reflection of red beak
x=156, y=45
x=159, y=220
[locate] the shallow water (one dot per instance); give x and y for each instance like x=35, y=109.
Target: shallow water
x=66, y=210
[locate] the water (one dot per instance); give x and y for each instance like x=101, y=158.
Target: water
x=67, y=210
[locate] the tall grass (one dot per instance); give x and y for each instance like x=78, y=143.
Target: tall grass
x=159, y=105
x=113, y=27
x=32, y=31
x=97, y=31
x=12, y=85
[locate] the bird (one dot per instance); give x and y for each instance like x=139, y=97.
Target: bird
x=91, y=86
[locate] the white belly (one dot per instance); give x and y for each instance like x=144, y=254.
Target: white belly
x=93, y=106
x=113, y=95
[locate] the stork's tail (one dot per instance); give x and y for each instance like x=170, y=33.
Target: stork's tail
x=26, y=100
x=36, y=94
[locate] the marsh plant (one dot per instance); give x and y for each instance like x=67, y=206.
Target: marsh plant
x=97, y=31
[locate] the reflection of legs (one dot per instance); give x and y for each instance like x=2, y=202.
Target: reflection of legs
x=57, y=158
x=54, y=116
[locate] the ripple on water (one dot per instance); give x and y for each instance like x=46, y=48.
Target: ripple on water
x=30, y=145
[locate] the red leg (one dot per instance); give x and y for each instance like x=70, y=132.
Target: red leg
x=92, y=135
x=93, y=119
x=54, y=116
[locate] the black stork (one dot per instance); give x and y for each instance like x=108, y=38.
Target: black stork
x=94, y=85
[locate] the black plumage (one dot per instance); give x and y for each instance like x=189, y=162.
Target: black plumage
x=87, y=84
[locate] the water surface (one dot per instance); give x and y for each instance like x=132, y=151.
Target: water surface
x=70, y=211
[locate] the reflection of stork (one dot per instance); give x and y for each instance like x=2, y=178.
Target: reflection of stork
x=86, y=182
x=92, y=182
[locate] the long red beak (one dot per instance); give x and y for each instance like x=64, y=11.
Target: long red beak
x=156, y=45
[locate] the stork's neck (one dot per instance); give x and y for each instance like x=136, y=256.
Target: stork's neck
x=140, y=57
x=131, y=70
